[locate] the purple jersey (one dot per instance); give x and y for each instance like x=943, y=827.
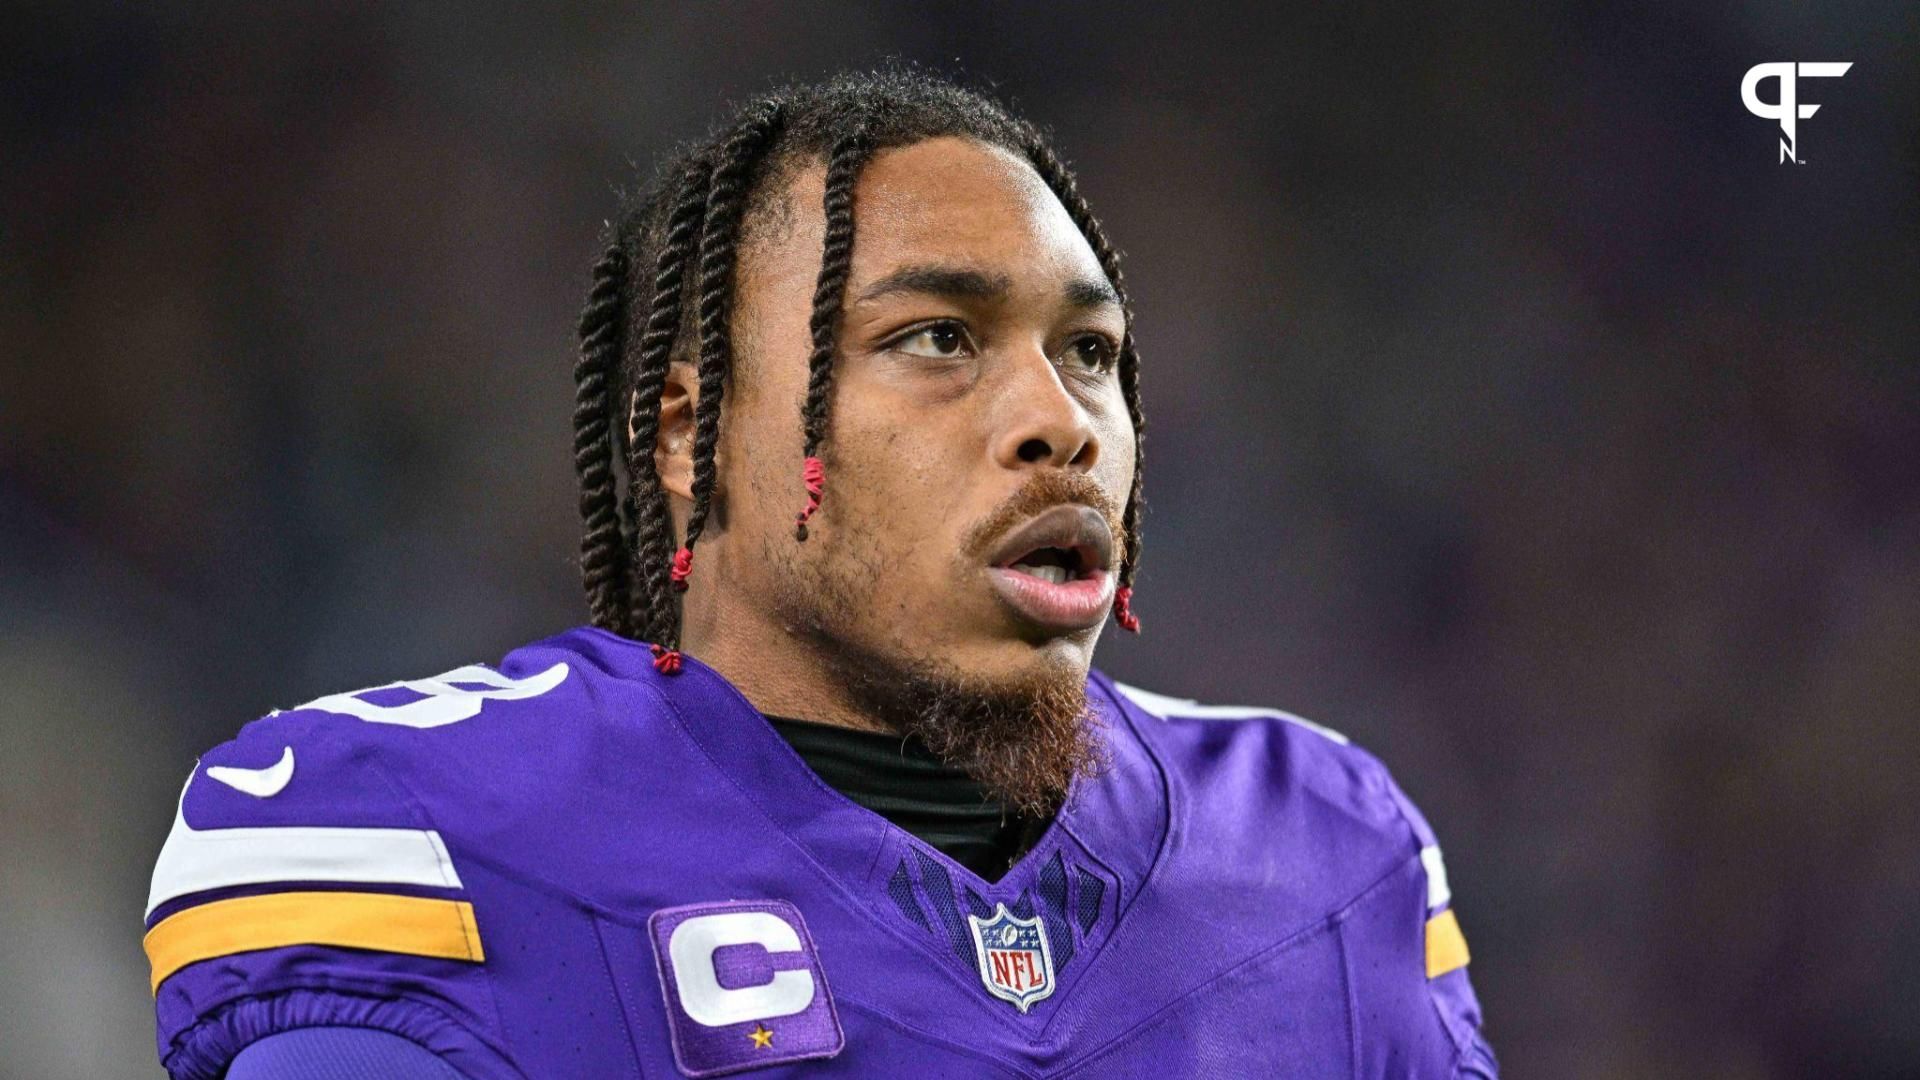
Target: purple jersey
x=574, y=866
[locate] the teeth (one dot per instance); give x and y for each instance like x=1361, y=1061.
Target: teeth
x=1055, y=574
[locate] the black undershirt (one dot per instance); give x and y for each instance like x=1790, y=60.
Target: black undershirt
x=902, y=781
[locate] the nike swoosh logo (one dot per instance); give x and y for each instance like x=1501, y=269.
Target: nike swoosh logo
x=262, y=783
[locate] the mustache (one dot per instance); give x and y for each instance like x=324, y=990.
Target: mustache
x=1044, y=491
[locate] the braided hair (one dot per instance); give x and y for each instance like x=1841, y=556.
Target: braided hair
x=668, y=268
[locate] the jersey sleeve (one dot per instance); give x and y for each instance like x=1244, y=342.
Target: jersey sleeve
x=301, y=886
x=338, y=1053
x=1445, y=944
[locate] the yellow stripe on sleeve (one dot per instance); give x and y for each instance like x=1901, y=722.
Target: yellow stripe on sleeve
x=419, y=926
x=1446, y=945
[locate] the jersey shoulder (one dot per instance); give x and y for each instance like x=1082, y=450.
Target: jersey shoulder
x=479, y=738
x=321, y=864
x=1265, y=761
x=1321, y=827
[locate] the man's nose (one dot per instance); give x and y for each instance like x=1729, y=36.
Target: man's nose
x=1043, y=423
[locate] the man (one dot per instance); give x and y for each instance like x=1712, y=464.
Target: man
x=829, y=788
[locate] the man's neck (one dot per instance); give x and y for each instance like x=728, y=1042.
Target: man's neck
x=779, y=673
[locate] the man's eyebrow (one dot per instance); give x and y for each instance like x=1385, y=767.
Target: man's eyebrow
x=962, y=283
x=951, y=281
x=1090, y=293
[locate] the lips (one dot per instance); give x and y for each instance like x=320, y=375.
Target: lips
x=1056, y=570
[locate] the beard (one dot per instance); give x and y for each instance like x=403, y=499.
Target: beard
x=1026, y=740
x=1026, y=737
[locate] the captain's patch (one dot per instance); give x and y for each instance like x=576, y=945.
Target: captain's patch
x=744, y=987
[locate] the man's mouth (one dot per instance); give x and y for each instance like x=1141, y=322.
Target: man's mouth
x=1055, y=571
x=1051, y=564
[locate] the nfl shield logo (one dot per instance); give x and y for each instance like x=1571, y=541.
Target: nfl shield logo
x=1015, y=962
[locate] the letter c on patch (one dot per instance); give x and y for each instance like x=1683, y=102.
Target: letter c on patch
x=691, y=948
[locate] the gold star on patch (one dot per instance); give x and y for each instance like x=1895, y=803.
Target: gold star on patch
x=762, y=1038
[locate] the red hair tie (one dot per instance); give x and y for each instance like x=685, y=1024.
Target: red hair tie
x=682, y=566
x=1123, y=610
x=666, y=661
x=814, y=474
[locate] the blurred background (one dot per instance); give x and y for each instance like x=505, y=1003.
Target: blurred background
x=1513, y=409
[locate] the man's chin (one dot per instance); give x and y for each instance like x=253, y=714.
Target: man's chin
x=1013, y=715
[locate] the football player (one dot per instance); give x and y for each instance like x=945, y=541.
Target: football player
x=829, y=787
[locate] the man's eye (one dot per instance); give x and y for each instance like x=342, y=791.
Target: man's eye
x=941, y=341
x=1093, y=352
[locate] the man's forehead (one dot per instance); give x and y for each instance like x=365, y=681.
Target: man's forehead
x=948, y=178
x=945, y=200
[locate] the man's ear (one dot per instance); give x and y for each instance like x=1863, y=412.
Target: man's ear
x=673, y=446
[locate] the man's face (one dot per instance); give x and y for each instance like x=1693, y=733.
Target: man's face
x=976, y=416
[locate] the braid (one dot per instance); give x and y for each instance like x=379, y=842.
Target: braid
x=1060, y=179
x=603, y=554
x=726, y=200
x=829, y=294
x=652, y=603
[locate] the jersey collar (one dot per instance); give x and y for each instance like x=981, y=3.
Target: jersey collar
x=1080, y=876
